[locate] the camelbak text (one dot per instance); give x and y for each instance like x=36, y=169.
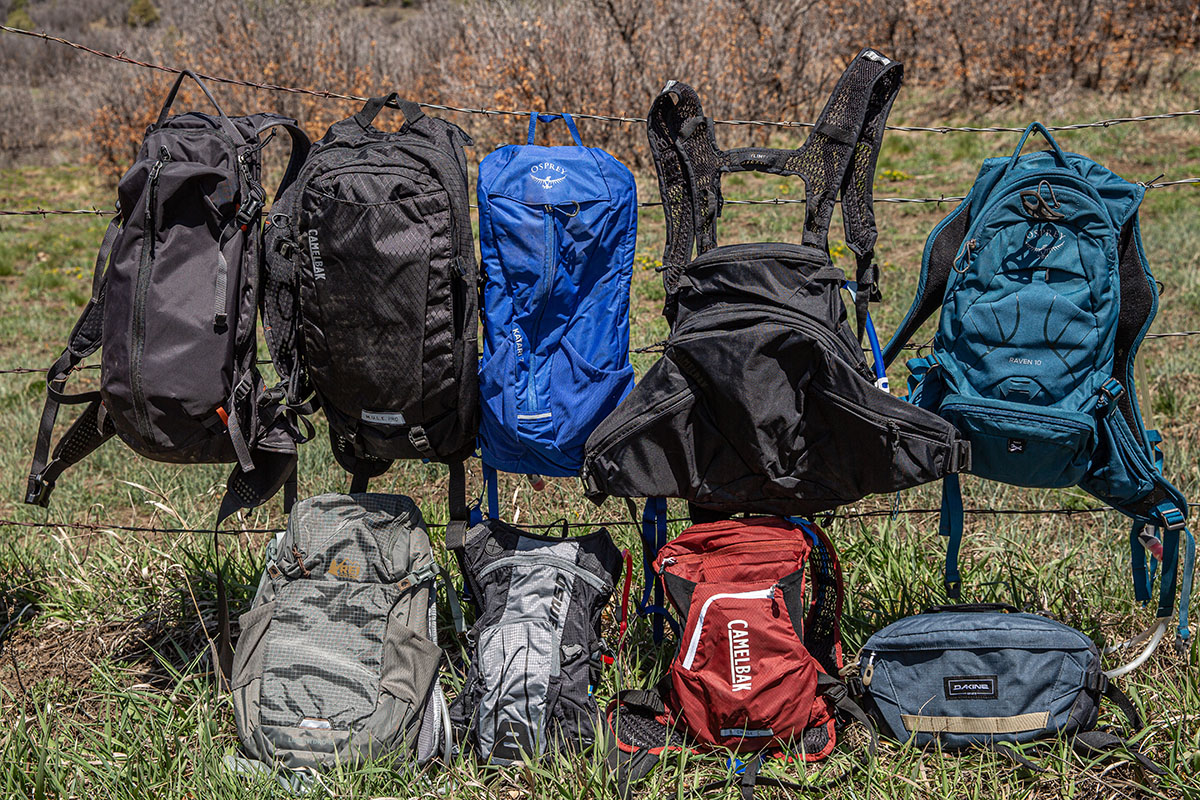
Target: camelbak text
x=314, y=250
x=739, y=655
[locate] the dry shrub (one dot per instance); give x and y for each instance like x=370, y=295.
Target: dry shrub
x=764, y=59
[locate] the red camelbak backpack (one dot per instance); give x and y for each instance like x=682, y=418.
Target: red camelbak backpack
x=759, y=653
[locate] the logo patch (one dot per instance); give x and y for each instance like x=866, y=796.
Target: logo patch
x=382, y=417
x=314, y=250
x=978, y=687
x=547, y=174
x=1016, y=445
x=739, y=655
x=344, y=569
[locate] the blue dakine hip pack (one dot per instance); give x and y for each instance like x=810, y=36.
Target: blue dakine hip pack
x=557, y=231
x=980, y=675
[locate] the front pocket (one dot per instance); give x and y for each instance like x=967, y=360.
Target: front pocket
x=515, y=662
x=1023, y=446
x=743, y=678
x=581, y=396
x=381, y=273
x=324, y=653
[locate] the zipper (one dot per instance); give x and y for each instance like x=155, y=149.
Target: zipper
x=549, y=266
x=733, y=550
x=1024, y=416
x=541, y=560
x=694, y=642
x=894, y=427
x=149, y=235
x=793, y=318
x=635, y=425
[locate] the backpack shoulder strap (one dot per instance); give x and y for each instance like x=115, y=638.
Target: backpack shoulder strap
x=93, y=428
x=937, y=260
x=300, y=145
x=822, y=623
x=689, y=163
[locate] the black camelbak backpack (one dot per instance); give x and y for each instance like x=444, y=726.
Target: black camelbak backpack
x=763, y=400
x=372, y=293
x=536, y=651
x=174, y=305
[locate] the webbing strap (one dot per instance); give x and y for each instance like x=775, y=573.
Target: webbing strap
x=950, y=525
x=654, y=537
x=491, y=485
x=535, y=118
x=456, y=527
x=1018, y=723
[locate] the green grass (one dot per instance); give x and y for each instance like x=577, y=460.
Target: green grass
x=104, y=690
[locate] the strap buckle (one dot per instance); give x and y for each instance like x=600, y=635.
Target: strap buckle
x=252, y=208
x=38, y=490
x=1172, y=517
x=1110, y=393
x=416, y=435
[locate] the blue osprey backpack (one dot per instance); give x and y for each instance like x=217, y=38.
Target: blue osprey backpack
x=1045, y=295
x=557, y=230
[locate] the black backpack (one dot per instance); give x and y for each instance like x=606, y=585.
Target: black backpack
x=174, y=305
x=371, y=298
x=536, y=651
x=763, y=400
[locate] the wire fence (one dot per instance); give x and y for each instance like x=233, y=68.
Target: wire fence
x=628, y=120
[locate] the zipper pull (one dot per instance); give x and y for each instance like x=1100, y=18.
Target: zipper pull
x=964, y=256
x=775, y=600
x=868, y=671
x=669, y=561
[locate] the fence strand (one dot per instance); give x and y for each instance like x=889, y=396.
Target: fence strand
x=628, y=120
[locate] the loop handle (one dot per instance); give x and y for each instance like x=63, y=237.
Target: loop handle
x=535, y=118
x=370, y=110
x=1044, y=131
x=226, y=125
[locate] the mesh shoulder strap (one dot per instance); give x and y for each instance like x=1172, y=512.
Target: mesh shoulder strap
x=839, y=155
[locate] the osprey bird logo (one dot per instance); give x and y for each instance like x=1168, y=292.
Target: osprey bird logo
x=547, y=174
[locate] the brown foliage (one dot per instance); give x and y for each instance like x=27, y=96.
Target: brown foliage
x=764, y=59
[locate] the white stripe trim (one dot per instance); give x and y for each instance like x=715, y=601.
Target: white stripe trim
x=546, y=415
x=758, y=594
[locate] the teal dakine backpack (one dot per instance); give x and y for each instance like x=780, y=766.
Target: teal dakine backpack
x=1045, y=295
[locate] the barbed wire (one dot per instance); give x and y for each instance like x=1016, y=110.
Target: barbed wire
x=334, y=95
x=96, y=527
x=766, y=201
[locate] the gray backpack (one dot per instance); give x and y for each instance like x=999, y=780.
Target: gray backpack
x=174, y=305
x=338, y=660
x=536, y=651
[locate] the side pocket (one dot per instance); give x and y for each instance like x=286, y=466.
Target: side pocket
x=515, y=662
x=247, y=674
x=497, y=395
x=581, y=396
x=1121, y=472
x=407, y=675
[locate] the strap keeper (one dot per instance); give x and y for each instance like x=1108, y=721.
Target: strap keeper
x=1110, y=393
x=953, y=590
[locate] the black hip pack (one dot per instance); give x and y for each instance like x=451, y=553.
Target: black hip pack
x=983, y=675
x=763, y=400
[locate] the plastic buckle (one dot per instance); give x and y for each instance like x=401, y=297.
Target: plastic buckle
x=1173, y=519
x=837, y=692
x=418, y=439
x=953, y=590
x=251, y=209
x=37, y=492
x=1110, y=392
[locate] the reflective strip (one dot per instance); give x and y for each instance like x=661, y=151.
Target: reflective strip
x=760, y=594
x=916, y=723
x=546, y=415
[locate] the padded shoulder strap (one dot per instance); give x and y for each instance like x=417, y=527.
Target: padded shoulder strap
x=822, y=625
x=690, y=164
x=299, y=152
x=941, y=248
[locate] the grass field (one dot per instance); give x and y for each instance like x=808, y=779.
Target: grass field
x=104, y=689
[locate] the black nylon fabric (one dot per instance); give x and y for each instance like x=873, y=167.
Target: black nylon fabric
x=540, y=711
x=763, y=401
x=370, y=298
x=174, y=306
